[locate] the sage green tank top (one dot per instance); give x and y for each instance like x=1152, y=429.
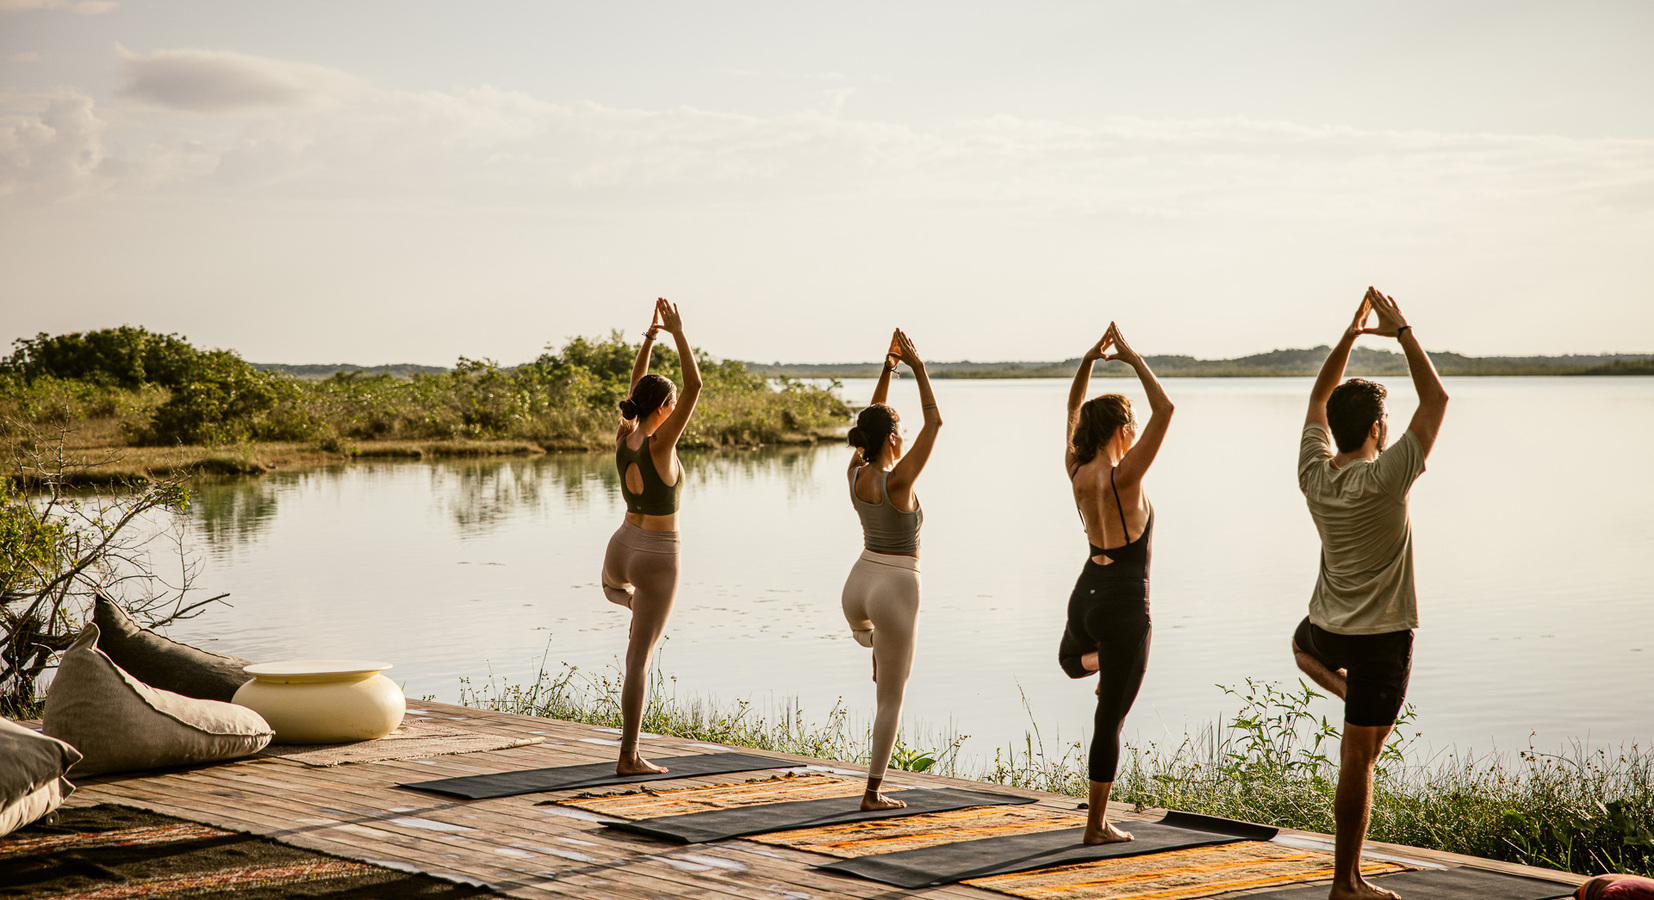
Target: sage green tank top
x=658, y=497
x=884, y=528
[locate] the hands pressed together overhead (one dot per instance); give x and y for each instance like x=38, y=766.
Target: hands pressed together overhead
x=1122, y=350
x=1390, y=319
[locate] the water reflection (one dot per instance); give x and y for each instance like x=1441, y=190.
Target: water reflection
x=457, y=567
x=227, y=511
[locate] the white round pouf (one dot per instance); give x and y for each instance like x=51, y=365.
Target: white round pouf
x=323, y=701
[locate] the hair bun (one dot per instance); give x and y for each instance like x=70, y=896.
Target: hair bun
x=628, y=408
x=857, y=437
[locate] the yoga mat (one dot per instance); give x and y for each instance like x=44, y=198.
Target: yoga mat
x=1192, y=874
x=563, y=778
x=948, y=863
x=928, y=830
x=719, y=824
x=1462, y=883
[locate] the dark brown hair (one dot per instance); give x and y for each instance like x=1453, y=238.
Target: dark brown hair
x=1352, y=409
x=1100, y=418
x=652, y=392
x=873, y=427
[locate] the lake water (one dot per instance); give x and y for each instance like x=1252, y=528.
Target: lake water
x=1533, y=528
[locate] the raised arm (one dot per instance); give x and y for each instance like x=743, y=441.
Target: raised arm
x=881, y=391
x=670, y=430
x=1135, y=464
x=646, y=352
x=1332, y=370
x=1076, y=395
x=907, y=469
x=1427, y=419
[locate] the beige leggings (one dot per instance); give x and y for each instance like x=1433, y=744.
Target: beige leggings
x=881, y=603
x=640, y=572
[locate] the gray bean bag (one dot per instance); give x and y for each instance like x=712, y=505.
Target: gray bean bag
x=31, y=775
x=162, y=662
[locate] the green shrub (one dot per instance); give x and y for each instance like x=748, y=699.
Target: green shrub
x=124, y=357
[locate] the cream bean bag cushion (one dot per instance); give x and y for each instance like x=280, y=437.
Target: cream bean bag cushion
x=31, y=775
x=120, y=724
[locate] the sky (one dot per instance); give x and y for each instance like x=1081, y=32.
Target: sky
x=370, y=182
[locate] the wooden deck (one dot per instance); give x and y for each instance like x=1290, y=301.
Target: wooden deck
x=526, y=850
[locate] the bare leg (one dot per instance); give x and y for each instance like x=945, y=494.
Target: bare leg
x=1352, y=807
x=1098, y=829
x=1331, y=680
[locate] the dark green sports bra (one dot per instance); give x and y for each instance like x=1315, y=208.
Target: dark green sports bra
x=658, y=497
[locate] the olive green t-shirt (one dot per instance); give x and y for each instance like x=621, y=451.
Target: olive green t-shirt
x=1366, y=580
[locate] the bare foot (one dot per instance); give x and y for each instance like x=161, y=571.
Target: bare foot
x=876, y=800
x=1108, y=835
x=634, y=764
x=1361, y=890
x=619, y=596
x=1089, y=662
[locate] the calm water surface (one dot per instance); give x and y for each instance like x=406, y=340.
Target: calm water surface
x=1532, y=527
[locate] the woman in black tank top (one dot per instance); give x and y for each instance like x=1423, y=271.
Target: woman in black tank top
x=1108, y=614
x=640, y=567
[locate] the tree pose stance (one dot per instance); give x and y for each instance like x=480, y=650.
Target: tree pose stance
x=1357, y=641
x=640, y=569
x=881, y=596
x=1108, y=613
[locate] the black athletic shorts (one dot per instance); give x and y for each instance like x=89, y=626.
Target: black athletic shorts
x=1378, y=666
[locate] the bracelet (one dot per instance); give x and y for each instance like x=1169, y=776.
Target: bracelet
x=648, y=335
x=1401, y=329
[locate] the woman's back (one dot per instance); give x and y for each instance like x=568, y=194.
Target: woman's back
x=1115, y=512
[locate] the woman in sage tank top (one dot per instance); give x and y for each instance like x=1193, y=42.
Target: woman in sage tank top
x=640, y=569
x=881, y=596
x=1108, y=628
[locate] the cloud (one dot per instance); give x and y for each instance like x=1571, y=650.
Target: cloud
x=80, y=7
x=219, y=81
x=27, y=56
x=332, y=136
x=52, y=151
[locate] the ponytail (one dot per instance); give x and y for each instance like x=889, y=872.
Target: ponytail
x=1100, y=418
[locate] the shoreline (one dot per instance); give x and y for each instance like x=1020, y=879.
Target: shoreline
x=100, y=466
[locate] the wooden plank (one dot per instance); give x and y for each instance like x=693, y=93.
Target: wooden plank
x=526, y=849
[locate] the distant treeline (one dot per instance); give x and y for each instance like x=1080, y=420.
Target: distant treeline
x=158, y=390
x=1364, y=361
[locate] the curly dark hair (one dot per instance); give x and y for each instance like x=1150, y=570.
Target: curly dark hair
x=1352, y=409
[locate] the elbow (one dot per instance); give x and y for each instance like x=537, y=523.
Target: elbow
x=934, y=421
x=1163, y=408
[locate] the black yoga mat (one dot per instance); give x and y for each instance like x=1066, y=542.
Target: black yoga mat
x=563, y=778
x=1442, y=884
x=948, y=863
x=719, y=824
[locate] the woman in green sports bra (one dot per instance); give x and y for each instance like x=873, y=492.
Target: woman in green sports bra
x=640, y=569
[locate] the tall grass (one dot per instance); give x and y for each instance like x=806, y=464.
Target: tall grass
x=1582, y=810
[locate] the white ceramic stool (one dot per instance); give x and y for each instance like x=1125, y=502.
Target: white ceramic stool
x=323, y=701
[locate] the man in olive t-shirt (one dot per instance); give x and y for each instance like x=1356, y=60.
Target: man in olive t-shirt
x=1357, y=640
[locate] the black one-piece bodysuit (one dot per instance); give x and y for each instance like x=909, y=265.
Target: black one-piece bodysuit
x=1109, y=613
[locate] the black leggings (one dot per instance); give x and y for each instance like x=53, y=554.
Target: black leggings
x=1108, y=615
